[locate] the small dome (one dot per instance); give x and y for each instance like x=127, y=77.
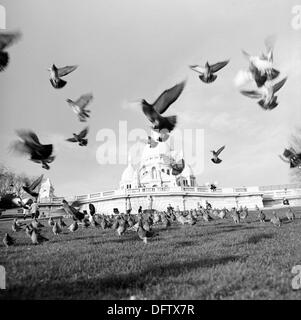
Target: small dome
x=128, y=173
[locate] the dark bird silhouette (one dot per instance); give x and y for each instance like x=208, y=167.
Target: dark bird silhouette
x=36, y=237
x=30, y=145
x=76, y=214
x=80, y=138
x=29, y=188
x=266, y=94
x=177, y=167
x=92, y=209
x=8, y=240
x=207, y=72
x=62, y=223
x=79, y=106
x=56, y=74
x=292, y=157
x=6, y=40
x=215, y=158
x=153, y=111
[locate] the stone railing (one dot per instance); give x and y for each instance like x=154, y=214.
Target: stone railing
x=277, y=191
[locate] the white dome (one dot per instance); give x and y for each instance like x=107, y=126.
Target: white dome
x=161, y=148
x=187, y=172
x=128, y=173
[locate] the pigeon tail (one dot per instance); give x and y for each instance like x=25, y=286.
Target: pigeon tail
x=4, y=59
x=217, y=160
x=209, y=79
x=58, y=84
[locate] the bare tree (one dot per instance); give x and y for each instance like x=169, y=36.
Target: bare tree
x=11, y=184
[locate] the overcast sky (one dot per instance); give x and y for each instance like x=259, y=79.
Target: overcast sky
x=133, y=49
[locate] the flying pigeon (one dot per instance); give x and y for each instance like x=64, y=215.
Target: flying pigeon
x=292, y=157
x=57, y=73
x=215, y=158
x=266, y=94
x=264, y=62
x=7, y=39
x=80, y=138
x=79, y=106
x=153, y=111
x=177, y=167
x=207, y=72
x=30, y=188
x=8, y=240
x=30, y=144
x=77, y=215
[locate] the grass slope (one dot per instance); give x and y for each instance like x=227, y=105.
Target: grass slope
x=217, y=260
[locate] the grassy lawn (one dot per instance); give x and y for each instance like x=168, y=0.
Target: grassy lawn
x=216, y=260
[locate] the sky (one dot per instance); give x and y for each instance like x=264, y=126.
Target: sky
x=134, y=49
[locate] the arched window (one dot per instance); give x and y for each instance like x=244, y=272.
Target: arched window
x=154, y=173
x=167, y=171
x=163, y=170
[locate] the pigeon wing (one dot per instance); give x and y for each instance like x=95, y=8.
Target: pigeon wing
x=84, y=100
x=83, y=133
x=251, y=94
x=283, y=159
x=218, y=66
x=28, y=137
x=37, y=182
x=220, y=150
x=279, y=85
x=66, y=70
x=197, y=69
x=42, y=152
x=168, y=97
x=20, y=147
x=7, y=39
x=149, y=112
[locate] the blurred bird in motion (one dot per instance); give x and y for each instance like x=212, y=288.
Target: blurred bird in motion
x=207, y=72
x=266, y=94
x=76, y=214
x=215, y=158
x=29, y=188
x=30, y=145
x=79, y=106
x=292, y=157
x=57, y=73
x=80, y=138
x=264, y=62
x=153, y=111
x=6, y=40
